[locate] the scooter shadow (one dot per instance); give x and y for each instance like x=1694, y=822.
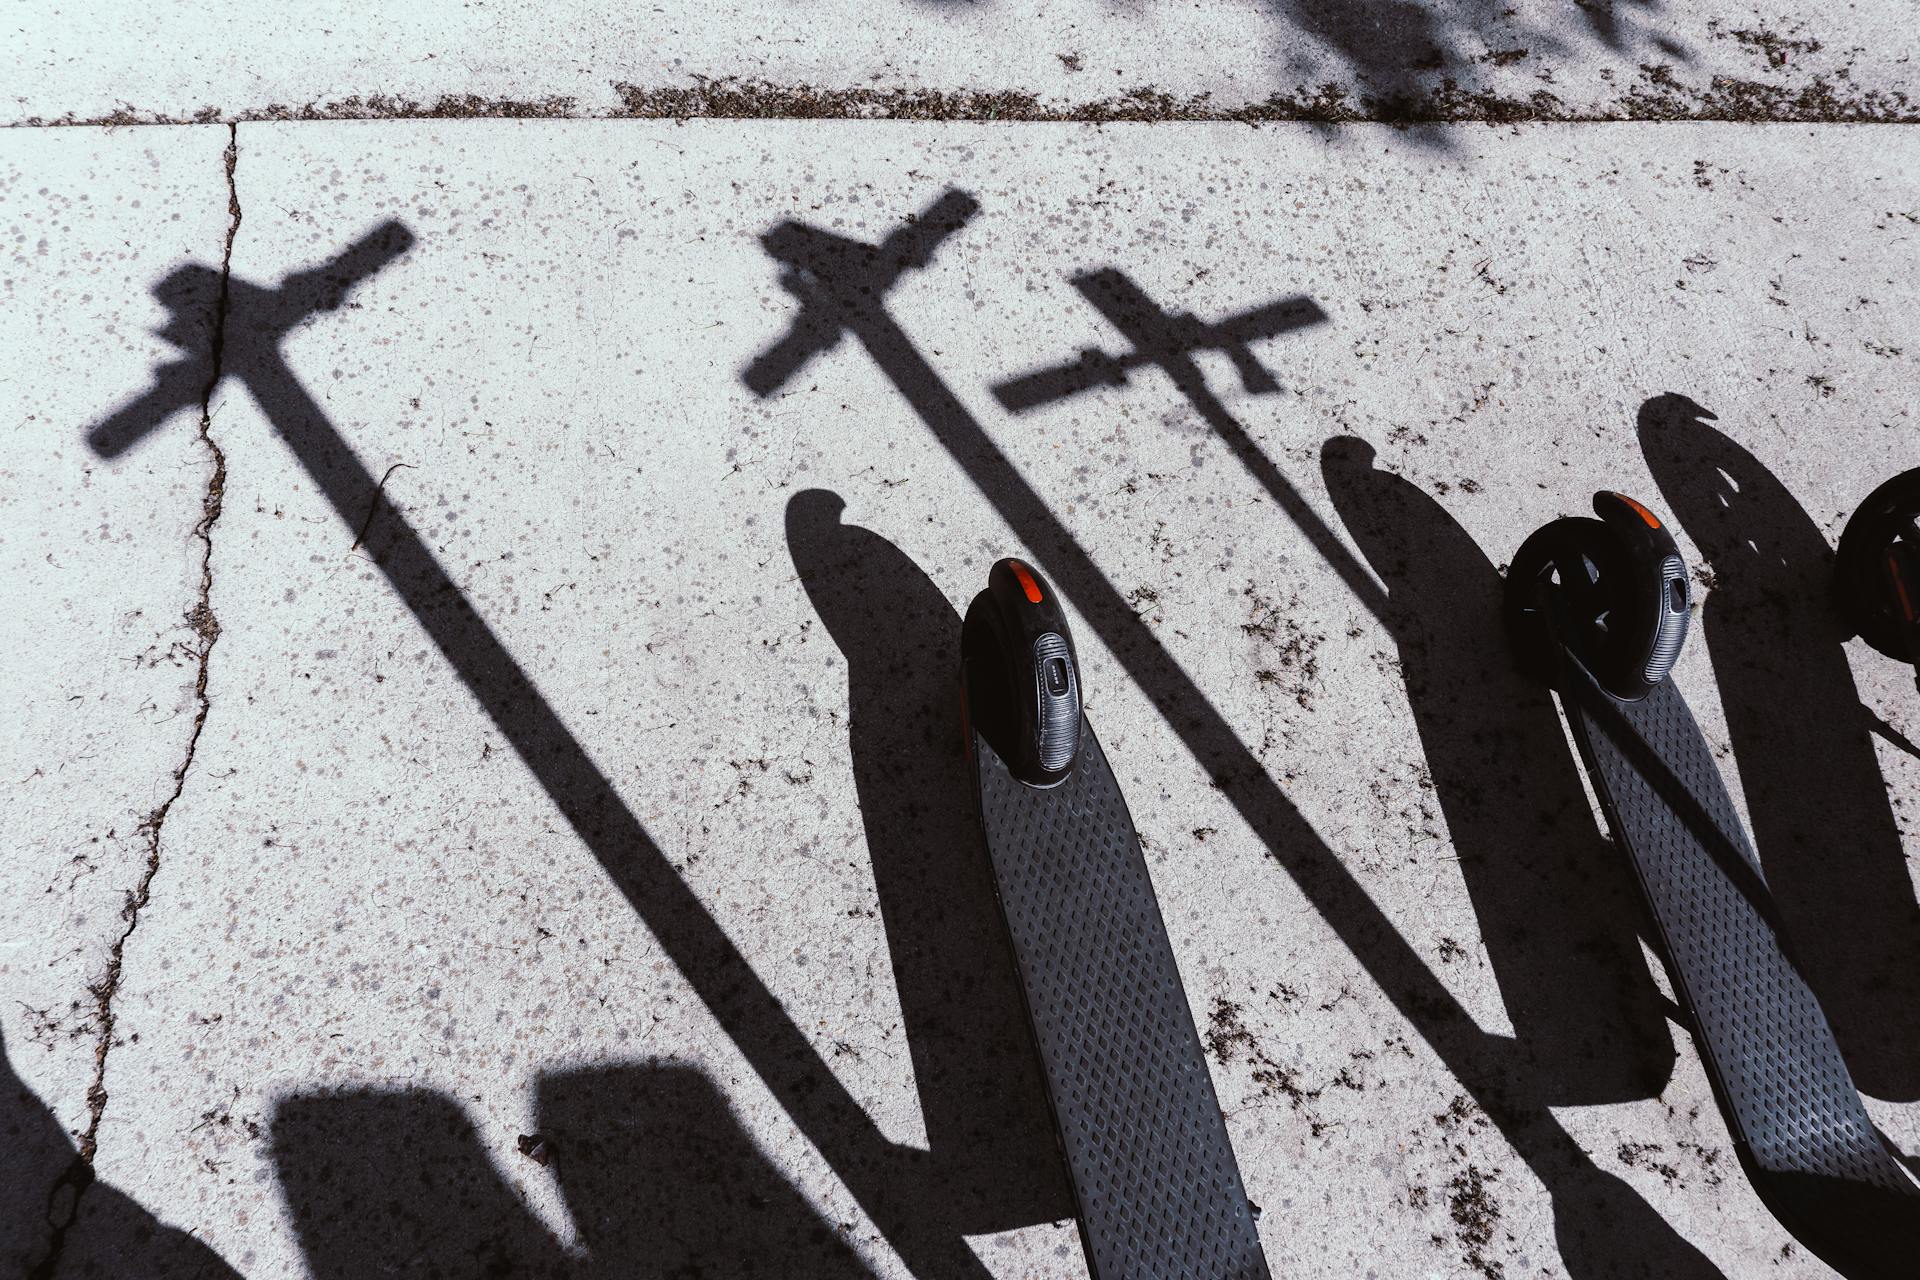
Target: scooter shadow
x=1558, y=913
x=658, y=1177
x=50, y=1229
x=981, y=1096
x=1815, y=797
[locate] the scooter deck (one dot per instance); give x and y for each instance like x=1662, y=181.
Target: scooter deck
x=1799, y=1126
x=1146, y=1150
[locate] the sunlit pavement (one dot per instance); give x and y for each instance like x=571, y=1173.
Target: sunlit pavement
x=484, y=616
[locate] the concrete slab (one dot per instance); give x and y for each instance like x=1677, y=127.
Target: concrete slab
x=1285, y=59
x=105, y=635
x=580, y=787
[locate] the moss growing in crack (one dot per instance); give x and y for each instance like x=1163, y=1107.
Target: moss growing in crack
x=732, y=98
x=1657, y=95
x=452, y=106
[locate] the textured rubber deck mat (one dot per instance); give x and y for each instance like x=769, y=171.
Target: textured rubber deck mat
x=1146, y=1149
x=1798, y=1123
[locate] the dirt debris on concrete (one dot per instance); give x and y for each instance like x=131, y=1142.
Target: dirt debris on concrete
x=1476, y=1219
x=1227, y=1038
x=1770, y=45
x=1658, y=93
x=1292, y=663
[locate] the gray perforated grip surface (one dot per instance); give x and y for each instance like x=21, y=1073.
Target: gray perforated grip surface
x=1797, y=1119
x=1159, y=1193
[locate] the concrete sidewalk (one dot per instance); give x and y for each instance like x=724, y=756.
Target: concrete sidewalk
x=573, y=867
x=1327, y=60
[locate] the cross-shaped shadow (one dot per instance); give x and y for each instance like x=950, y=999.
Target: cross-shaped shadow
x=1164, y=339
x=1604, y=1228
x=909, y=1194
x=1168, y=341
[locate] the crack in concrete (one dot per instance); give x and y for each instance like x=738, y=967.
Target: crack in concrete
x=1657, y=95
x=63, y=1200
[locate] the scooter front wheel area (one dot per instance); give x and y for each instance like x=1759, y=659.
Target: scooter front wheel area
x=1876, y=581
x=1610, y=592
x=1602, y=605
x=1552, y=585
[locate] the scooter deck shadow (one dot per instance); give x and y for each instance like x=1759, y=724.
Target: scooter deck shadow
x=1799, y=1126
x=1158, y=1190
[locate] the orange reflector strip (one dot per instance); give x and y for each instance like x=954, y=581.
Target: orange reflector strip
x=1027, y=584
x=1899, y=584
x=1653, y=521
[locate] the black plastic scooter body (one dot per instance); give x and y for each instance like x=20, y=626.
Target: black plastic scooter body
x=1798, y=1125
x=1022, y=674
x=1154, y=1179
x=1876, y=577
